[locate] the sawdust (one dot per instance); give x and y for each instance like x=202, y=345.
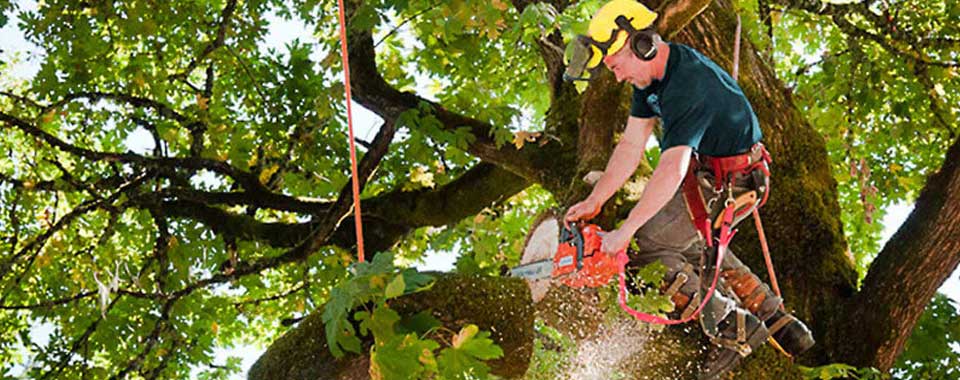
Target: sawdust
x=601, y=357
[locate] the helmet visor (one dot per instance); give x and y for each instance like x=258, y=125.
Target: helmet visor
x=584, y=56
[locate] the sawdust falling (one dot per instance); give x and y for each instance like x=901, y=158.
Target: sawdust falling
x=602, y=356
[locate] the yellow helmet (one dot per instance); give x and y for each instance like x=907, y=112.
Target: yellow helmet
x=608, y=32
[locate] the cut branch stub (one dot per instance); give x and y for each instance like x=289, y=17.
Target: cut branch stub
x=497, y=304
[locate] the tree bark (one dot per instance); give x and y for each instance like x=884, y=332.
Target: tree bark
x=498, y=305
x=802, y=217
x=906, y=274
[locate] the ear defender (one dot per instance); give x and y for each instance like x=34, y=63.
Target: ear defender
x=643, y=44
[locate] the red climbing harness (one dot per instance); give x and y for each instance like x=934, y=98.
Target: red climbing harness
x=725, y=171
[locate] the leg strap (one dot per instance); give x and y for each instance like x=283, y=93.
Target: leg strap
x=691, y=306
x=780, y=323
x=741, y=343
x=681, y=279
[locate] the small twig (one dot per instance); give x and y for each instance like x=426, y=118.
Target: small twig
x=404, y=22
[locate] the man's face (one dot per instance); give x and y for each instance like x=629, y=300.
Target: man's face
x=627, y=67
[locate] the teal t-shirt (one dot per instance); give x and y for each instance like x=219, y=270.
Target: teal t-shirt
x=699, y=105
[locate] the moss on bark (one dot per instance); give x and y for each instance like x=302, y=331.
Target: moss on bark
x=496, y=304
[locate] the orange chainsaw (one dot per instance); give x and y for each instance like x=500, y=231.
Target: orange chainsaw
x=578, y=261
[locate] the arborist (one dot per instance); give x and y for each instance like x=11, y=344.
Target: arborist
x=710, y=145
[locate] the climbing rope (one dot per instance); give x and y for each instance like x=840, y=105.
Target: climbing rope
x=756, y=215
x=353, y=149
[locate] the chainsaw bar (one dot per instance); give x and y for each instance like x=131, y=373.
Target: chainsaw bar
x=534, y=271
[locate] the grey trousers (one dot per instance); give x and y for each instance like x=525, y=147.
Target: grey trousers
x=671, y=237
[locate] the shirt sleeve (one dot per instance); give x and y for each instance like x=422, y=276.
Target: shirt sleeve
x=686, y=123
x=638, y=104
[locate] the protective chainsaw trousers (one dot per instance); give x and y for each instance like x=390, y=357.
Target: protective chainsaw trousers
x=670, y=236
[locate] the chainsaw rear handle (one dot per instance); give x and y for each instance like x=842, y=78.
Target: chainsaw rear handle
x=573, y=236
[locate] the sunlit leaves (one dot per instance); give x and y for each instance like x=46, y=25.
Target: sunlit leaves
x=873, y=106
x=374, y=281
x=930, y=353
x=464, y=359
x=402, y=348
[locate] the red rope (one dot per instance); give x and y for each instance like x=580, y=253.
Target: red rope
x=766, y=255
x=353, y=148
x=724, y=240
x=756, y=216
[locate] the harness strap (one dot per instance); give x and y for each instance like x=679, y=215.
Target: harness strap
x=678, y=281
x=691, y=307
x=697, y=205
x=723, y=168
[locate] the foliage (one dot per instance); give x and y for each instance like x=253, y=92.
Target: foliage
x=552, y=352
x=647, y=297
x=842, y=371
x=886, y=117
x=131, y=77
x=932, y=351
x=402, y=348
x=172, y=161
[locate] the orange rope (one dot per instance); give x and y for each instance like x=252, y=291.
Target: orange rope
x=756, y=215
x=766, y=255
x=353, y=148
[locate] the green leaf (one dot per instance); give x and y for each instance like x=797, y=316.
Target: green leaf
x=464, y=360
x=338, y=329
x=381, y=323
x=395, y=288
x=416, y=281
x=402, y=357
x=419, y=323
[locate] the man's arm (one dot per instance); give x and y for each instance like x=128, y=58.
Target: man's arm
x=660, y=189
x=625, y=159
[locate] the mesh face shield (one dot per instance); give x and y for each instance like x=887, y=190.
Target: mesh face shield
x=586, y=53
x=582, y=52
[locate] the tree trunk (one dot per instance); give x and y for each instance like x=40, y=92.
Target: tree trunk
x=802, y=220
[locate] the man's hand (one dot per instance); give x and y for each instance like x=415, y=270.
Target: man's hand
x=615, y=241
x=584, y=210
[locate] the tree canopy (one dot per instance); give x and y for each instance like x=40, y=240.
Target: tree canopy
x=234, y=223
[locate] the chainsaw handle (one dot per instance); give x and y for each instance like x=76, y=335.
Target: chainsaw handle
x=573, y=234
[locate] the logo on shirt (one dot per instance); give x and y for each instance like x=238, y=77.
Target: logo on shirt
x=654, y=102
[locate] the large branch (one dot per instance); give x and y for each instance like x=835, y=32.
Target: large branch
x=373, y=92
x=675, y=15
x=386, y=217
x=248, y=180
x=500, y=305
x=907, y=272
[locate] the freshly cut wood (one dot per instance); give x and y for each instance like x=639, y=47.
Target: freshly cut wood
x=541, y=244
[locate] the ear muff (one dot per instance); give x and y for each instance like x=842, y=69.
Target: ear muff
x=643, y=43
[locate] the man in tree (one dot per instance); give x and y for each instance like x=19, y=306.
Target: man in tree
x=710, y=143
